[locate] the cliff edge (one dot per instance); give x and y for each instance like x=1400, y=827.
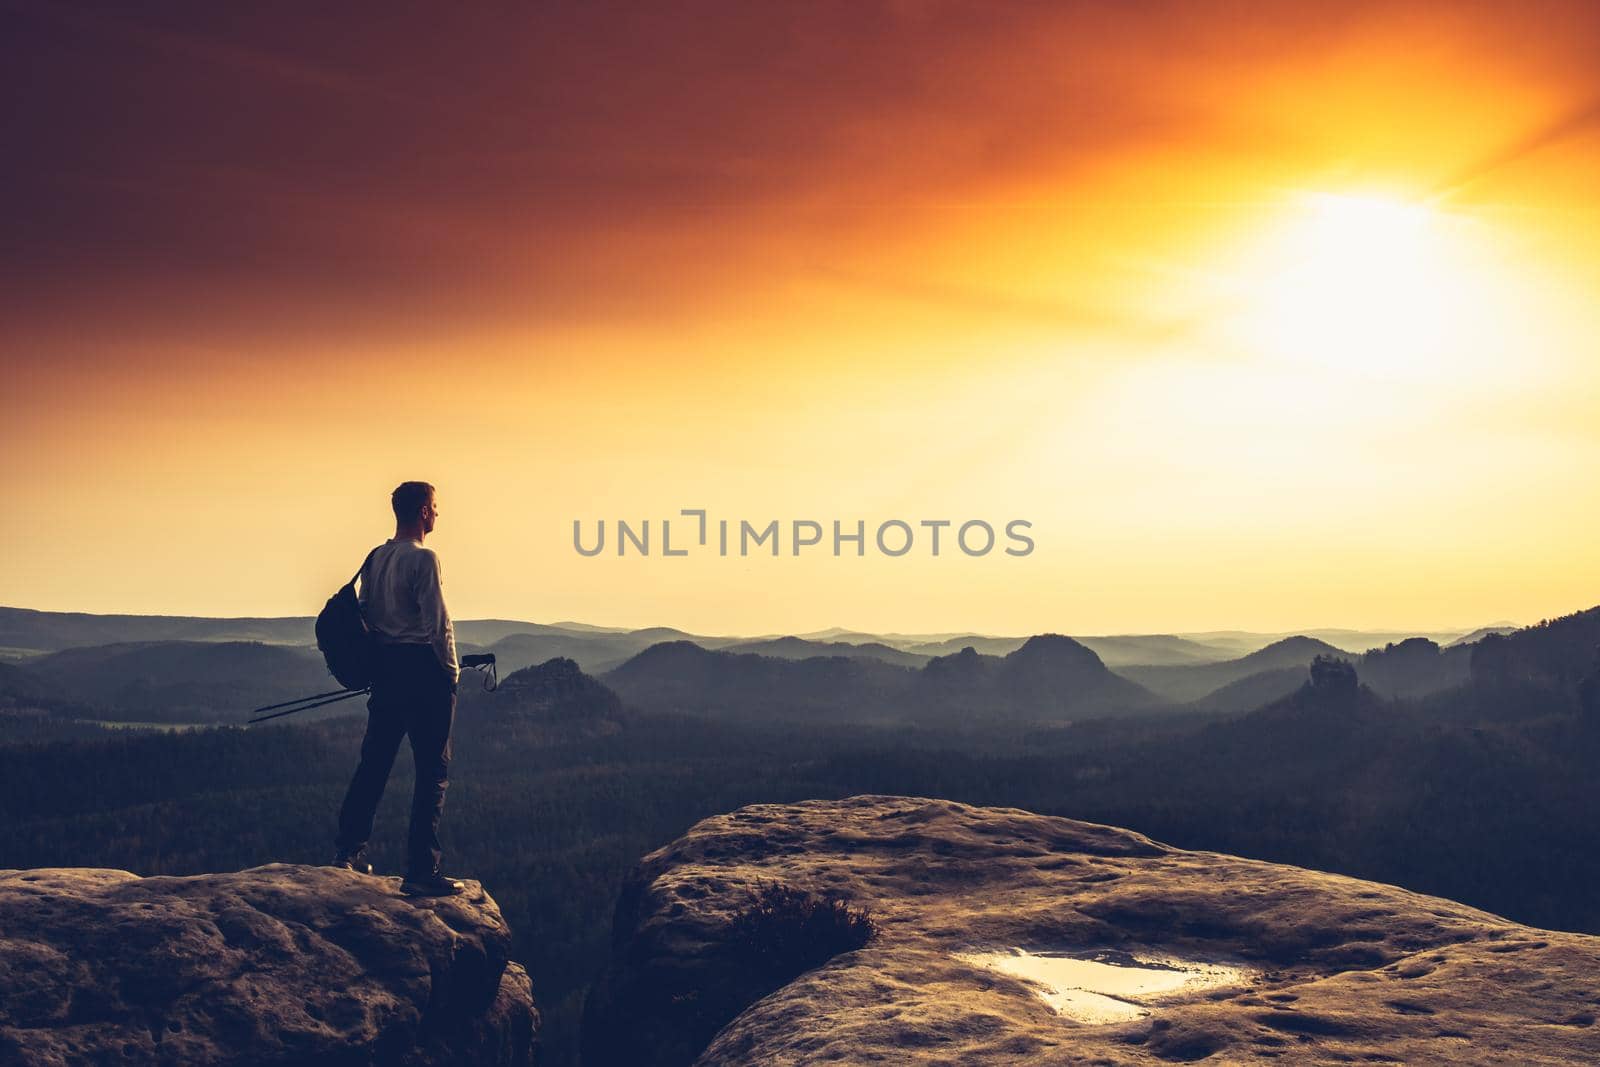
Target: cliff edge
x=277, y=964
x=899, y=930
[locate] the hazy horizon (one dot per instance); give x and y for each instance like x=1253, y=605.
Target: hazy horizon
x=822, y=633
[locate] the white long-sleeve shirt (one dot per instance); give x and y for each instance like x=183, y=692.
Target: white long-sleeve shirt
x=402, y=599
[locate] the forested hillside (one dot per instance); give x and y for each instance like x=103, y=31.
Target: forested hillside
x=1480, y=794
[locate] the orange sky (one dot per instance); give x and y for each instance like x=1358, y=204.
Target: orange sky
x=1152, y=277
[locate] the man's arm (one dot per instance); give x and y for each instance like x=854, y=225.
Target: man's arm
x=430, y=599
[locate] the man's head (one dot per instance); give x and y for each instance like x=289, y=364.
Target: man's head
x=414, y=504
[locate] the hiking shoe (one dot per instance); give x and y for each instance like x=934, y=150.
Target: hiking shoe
x=431, y=885
x=353, y=861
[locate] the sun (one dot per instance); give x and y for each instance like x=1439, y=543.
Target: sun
x=1370, y=284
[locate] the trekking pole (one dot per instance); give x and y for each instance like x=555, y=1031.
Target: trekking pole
x=484, y=663
x=342, y=694
x=301, y=700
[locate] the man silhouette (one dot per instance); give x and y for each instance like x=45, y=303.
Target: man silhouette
x=413, y=692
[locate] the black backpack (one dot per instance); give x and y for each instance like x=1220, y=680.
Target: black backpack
x=342, y=635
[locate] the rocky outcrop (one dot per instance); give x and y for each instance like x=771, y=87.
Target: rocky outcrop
x=280, y=964
x=1291, y=965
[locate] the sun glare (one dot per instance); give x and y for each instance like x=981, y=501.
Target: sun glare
x=1379, y=287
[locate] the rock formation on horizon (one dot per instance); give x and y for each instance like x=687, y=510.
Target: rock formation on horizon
x=276, y=964
x=1300, y=967
x=1049, y=678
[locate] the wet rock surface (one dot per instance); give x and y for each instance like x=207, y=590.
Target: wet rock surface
x=276, y=964
x=1334, y=969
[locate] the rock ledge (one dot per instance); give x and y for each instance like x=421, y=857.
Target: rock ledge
x=276, y=964
x=1340, y=970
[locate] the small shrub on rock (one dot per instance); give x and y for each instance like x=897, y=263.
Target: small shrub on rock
x=789, y=931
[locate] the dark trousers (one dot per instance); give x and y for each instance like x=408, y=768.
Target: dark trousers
x=412, y=696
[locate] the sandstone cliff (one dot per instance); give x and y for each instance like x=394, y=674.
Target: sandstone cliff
x=280, y=964
x=995, y=936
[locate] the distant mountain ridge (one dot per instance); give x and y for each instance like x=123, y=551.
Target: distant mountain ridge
x=173, y=681
x=1050, y=678
x=800, y=648
x=1412, y=668
x=220, y=667
x=51, y=631
x=26, y=631
x=1189, y=682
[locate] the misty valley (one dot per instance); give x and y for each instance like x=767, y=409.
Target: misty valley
x=1459, y=765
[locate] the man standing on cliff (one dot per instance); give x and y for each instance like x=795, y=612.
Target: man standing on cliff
x=413, y=692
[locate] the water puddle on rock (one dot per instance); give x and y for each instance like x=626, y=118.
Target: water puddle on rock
x=1106, y=986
